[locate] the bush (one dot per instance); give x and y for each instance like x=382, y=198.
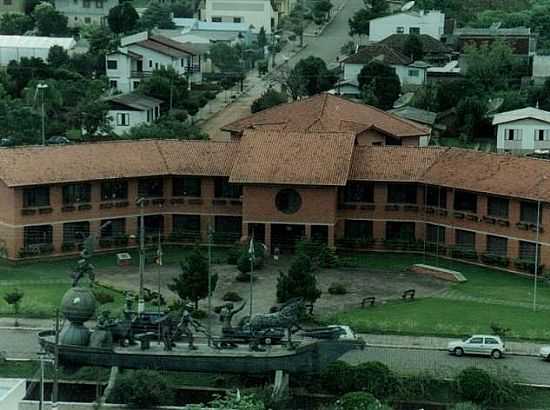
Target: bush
x=500, y=330
x=142, y=389
x=103, y=297
x=233, y=255
x=358, y=401
x=375, y=378
x=422, y=386
x=232, y=297
x=337, y=377
x=467, y=405
x=300, y=281
x=199, y=314
x=480, y=387
x=337, y=289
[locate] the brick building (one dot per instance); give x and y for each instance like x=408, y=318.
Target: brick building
x=281, y=185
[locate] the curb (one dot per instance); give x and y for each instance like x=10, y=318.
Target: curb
x=24, y=328
x=441, y=349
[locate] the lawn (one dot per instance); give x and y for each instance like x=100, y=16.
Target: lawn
x=45, y=282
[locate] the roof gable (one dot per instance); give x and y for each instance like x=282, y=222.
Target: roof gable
x=521, y=114
x=379, y=52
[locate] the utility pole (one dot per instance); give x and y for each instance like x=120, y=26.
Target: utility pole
x=536, y=258
x=252, y=260
x=141, y=302
x=42, y=88
x=55, y=391
x=210, y=234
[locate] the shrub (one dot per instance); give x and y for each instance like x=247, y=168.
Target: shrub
x=199, y=314
x=479, y=386
x=103, y=297
x=422, y=386
x=337, y=377
x=500, y=330
x=141, y=389
x=337, y=289
x=232, y=297
x=244, y=277
x=358, y=401
x=467, y=405
x=233, y=255
x=375, y=378
x=299, y=282
x=243, y=261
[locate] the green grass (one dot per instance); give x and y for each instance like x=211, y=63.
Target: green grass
x=45, y=282
x=431, y=316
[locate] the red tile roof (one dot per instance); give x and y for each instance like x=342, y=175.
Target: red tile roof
x=379, y=52
x=274, y=157
x=327, y=113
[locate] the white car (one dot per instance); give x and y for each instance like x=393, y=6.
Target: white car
x=545, y=352
x=478, y=344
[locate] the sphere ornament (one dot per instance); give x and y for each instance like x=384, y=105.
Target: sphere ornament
x=78, y=306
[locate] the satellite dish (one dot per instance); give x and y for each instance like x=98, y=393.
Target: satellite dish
x=407, y=6
x=403, y=101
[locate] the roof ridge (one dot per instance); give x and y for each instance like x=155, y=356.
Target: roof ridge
x=165, y=162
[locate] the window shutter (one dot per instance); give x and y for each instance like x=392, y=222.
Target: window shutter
x=520, y=134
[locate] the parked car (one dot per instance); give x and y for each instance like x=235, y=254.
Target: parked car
x=58, y=140
x=478, y=344
x=545, y=352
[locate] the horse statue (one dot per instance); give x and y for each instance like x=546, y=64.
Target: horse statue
x=287, y=317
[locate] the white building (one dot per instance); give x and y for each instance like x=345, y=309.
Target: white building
x=81, y=12
x=129, y=110
x=255, y=13
x=410, y=73
x=12, y=48
x=541, y=69
x=12, y=391
x=142, y=53
x=430, y=22
x=523, y=131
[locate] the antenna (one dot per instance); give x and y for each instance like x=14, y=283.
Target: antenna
x=407, y=6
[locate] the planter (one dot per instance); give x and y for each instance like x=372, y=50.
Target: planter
x=535, y=228
x=106, y=243
x=489, y=220
x=122, y=204
x=430, y=210
x=391, y=207
x=503, y=222
x=158, y=201
x=45, y=210
x=411, y=208
x=236, y=202
x=28, y=211
x=194, y=201
x=442, y=212
x=523, y=226
x=68, y=208
x=106, y=205
x=84, y=207
x=175, y=201
x=461, y=253
x=527, y=265
x=68, y=246
x=219, y=202
x=472, y=217
x=368, y=207
x=495, y=260
x=458, y=215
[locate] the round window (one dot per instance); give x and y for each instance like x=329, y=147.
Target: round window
x=288, y=201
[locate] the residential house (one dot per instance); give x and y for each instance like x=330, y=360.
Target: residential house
x=329, y=113
x=12, y=48
x=12, y=6
x=521, y=40
x=410, y=22
x=83, y=12
x=253, y=13
x=435, y=52
x=348, y=88
x=410, y=73
x=521, y=131
x=140, y=54
x=196, y=31
x=280, y=186
x=541, y=69
x=451, y=71
x=130, y=110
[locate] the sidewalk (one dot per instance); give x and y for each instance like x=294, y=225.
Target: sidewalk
x=440, y=343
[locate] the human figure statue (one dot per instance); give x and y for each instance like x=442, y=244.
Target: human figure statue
x=226, y=316
x=83, y=266
x=183, y=328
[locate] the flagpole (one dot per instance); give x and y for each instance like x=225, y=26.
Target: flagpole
x=210, y=233
x=159, y=255
x=251, y=254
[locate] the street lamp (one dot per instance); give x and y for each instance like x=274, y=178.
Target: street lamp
x=141, y=303
x=42, y=87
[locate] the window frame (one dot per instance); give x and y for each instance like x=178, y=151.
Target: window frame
x=110, y=63
x=145, y=184
x=191, y=186
x=34, y=192
x=79, y=193
x=118, y=190
x=490, y=209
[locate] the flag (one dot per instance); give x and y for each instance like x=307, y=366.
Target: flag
x=251, y=248
x=158, y=259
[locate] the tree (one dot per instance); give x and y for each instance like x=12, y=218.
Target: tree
x=192, y=282
x=166, y=85
x=167, y=127
x=157, y=16
x=413, y=47
x=225, y=57
x=378, y=8
x=122, y=18
x=49, y=21
x=299, y=282
x=142, y=389
x=321, y=10
x=470, y=113
x=101, y=39
x=20, y=73
x=268, y=99
x=14, y=300
x=92, y=114
x=358, y=401
x=182, y=9
x=386, y=83
x=368, y=94
x=15, y=24
x=310, y=76
x=30, y=6
x=58, y=57
x=295, y=22
x=359, y=23
x=262, y=38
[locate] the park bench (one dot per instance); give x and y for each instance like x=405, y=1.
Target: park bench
x=145, y=339
x=370, y=300
x=409, y=293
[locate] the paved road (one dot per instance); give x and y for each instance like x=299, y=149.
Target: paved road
x=529, y=369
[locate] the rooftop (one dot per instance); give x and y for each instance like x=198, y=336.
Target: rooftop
x=520, y=114
x=378, y=52
x=430, y=45
x=415, y=114
x=36, y=42
x=492, y=31
x=327, y=113
x=135, y=101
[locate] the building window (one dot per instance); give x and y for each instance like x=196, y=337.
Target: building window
x=400, y=30
x=357, y=230
x=113, y=228
x=7, y=2
x=497, y=246
x=123, y=119
x=400, y=231
x=527, y=251
x=465, y=201
x=186, y=186
x=112, y=64
x=114, y=190
x=436, y=197
x=288, y=201
x=36, y=196
x=542, y=135
x=513, y=134
x=156, y=66
x=528, y=212
x=227, y=228
x=86, y=4
x=182, y=62
x=465, y=239
x=187, y=226
x=150, y=63
x=76, y=231
x=87, y=20
x=401, y=193
x=237, y=20
x=414, y=73
x=37, y=235
x=223, y=189
x=435, y=234
x=135, y=85
x=154, y=225
x=150, y=188
x=98, y=4
x=113, y=84
x=414, y=30
x=498, y=207
x=216, y=19
x=77, y=193
x=358, y=192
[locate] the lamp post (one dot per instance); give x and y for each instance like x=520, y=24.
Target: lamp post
x=141, y=303
x=42, y=88
x=210, y=234
x=536, y=271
